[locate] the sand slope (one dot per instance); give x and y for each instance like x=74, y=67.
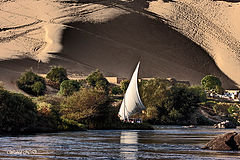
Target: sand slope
x=214, y=25
x=110, y=35
x=116, y=46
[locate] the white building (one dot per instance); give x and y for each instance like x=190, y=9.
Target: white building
x=233, y=93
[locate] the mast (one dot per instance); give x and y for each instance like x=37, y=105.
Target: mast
x=124, y=108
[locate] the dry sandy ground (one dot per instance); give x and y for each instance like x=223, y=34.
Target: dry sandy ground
x=113, y=36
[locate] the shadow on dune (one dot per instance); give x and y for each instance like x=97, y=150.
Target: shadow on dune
x=116, y=46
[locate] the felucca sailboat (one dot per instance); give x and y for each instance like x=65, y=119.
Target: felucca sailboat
x=131, y=103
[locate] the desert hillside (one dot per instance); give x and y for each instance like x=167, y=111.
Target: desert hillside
x=114, y=35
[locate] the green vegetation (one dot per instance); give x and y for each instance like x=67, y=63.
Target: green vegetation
x=72, y=109
x=234, y=111
x=116, y=90
x=124, y=85
x=97, y=80
x=87, y=106
x=221, y=108
x=224, y=110
x=17, y=112
x=68, y=87
x=199, y=93
x=56, y=76
x=71, y=125
x=211, y=82
x=169, y=104
x=31, y=83
x=49, y=116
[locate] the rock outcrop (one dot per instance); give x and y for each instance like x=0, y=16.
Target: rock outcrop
x=226, y=142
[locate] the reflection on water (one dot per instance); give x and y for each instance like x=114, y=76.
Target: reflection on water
x=166, y=142
x=129, y=141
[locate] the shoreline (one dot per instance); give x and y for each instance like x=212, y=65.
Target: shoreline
x=152, y=127
x=42, y=131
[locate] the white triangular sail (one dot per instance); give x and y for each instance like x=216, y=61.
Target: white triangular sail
x=131, y=103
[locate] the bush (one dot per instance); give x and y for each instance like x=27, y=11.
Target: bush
x=234, y=111
x=234, y=108
x=124, y=85
x=116, y=90
x=152, y=113
x=169, y=104
x=68, y=87
x=67, y=124
x=32, y=84
x=54, y=100
x=87, y=106
x=221, y=109
x=39, y=88
x=83, y=83
x=17, y=112
x=174, y=115
x=102, y=84
x=198, y=93
x=49, y=117
x=219, y=90
x=44, y=108
x=57, y=75
x=211, y=82
x=97, y=80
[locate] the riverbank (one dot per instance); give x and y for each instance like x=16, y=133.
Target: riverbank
x=35, y=131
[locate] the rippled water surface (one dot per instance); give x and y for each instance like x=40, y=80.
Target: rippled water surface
x=165, y=142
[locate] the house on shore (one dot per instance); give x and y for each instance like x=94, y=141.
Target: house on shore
x=234, y=94
x=114, y=80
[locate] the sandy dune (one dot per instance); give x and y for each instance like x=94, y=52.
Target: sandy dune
x=214, y=25
x=113, y=36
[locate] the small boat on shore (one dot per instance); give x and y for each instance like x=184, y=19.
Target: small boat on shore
x=190, y=126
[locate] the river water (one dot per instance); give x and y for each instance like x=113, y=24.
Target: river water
x=165, y=142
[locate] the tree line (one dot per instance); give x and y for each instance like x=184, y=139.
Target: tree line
x=89, y=103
